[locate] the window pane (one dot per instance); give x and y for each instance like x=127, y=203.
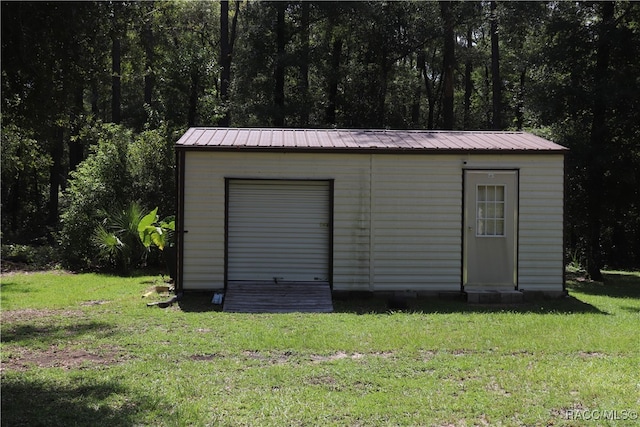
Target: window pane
x=500, y=193
x=491, y=210
x=491, y=193
x=499, y=227
x=491, y=228
x=482, y=193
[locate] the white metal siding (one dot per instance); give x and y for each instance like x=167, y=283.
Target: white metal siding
x=397, y=218
x=278, y=230
x=417, y=208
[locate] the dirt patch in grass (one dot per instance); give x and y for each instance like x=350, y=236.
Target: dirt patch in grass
x=276, y=358
x=22, y=359
x=592, y=354
x=10, y=268
x=25, y=315
x=336, y=356
x=352, y=356
x=94, y=302
x=205, y=357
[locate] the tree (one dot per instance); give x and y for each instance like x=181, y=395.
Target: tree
x=227, y=42
x=304, y=63
x=496, y=122
x=565, y=70
x=599, y=138
x=279, y=69
x=449, y=64
x=590, y=47
x=116, y=66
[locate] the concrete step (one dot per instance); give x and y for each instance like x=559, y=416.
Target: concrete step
x=482, y=296
x=283, y=297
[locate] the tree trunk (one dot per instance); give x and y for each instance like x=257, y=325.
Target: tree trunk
x=382, y=88
x=468, y=82
x=95, y=97
x=55, y=175
x=74, y=82
x=495, y=70
x=596, y=190
x=15, y=199
x=225, y=61
x=194, y=88
x=520, y=104
x=227, y=40
x=116, y=90
x=304, y=66
x=148, y=40
x=449, y=64
x=334, y=78
x=431, y=97
x=279, y=72
x=76, y=147
x=487, y=90
x=417, y=93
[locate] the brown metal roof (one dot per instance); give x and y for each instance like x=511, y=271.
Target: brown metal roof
x=335, y=140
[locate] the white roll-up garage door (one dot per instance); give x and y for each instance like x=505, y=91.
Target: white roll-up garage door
x=278, y=230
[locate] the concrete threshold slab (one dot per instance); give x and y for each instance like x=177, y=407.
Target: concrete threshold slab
x=487, y=296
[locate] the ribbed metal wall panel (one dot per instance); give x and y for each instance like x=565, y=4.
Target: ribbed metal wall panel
x=278, y=230
x=416, y=214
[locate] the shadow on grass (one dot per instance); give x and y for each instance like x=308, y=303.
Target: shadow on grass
x=198, y=302
x=379, y=305
x=368, y=303
x=616, y=285
x=47, y=334
x=30, y=402
x=6, y=289
x=13, y=288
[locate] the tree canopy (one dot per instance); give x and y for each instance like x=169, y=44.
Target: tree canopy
x=569, y=71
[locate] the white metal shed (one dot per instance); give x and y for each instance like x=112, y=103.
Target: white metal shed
x=370, y=210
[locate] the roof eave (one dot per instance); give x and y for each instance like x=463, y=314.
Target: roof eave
x=350, y=150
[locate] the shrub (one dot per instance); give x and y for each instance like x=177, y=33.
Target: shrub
x=151, y=162
x=30, y=256
x=122, y=168
x=101, y=181
x=25, y=178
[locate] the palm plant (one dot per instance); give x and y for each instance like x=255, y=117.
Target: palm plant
x=117, y=238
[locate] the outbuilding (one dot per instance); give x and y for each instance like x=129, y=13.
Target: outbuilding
x=370, y=210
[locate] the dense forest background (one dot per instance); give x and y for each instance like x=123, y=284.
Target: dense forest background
x=94, y=95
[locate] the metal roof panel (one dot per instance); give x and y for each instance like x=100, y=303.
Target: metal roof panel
x=355, y=140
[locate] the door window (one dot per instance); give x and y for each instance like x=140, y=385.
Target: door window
x=490, y=203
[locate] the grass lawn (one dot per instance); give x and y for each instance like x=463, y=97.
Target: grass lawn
x=84, y=349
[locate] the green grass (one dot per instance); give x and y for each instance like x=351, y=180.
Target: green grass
x=86, y=350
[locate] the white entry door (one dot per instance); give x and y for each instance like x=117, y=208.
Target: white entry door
x=490, y=229
x=278, y=230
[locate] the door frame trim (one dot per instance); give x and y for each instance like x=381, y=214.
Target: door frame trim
x=516, y=242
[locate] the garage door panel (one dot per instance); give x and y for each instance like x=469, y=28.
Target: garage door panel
x=278, y=229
